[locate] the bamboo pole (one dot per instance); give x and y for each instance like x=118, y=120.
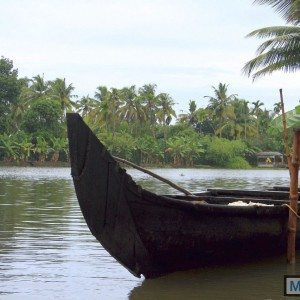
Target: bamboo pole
x=285, y=132
x=292, y=222
x=172, y=184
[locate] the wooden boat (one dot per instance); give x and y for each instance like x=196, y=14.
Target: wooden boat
x=153, y=234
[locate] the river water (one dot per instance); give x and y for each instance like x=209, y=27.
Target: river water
x=47, y=251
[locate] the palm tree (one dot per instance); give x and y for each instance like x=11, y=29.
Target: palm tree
x=86, y=105
x=166, y=111
x=220, y=104
x=39, y=86
x=192, y=110
x=281, y=50
x=277, y=107
x=128, y=111
x=17, y=112
x=35, y=88
x=257, y=112
x=113, y=105
x=101, y=112
x=147, y=94
x=62, y=92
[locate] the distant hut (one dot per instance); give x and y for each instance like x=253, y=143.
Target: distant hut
x=270, y=159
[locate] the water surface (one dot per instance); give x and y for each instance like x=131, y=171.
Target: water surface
x=47, y=251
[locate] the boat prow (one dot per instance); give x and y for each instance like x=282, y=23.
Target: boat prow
x=102, y=189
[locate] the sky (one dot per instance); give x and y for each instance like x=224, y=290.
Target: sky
x=183, y=46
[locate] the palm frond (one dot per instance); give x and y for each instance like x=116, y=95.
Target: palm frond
x=273, y=60
x=281, y=52
x=288, y=9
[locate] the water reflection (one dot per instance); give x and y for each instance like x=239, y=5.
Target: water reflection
x=47, y=251
x=260, y=280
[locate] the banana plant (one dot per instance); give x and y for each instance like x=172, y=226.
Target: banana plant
x=9, y=147
x=58, y=145
x=42, y=148
x=26, y=148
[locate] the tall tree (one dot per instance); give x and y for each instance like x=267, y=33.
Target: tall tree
x=86, y=105
x=220, y=104
x=147, y=94
x=62, y=92
x=128, y=111
x=10, y=88
x=257, y=112
x=192, y=112
x=165, y=108
x=39, y=87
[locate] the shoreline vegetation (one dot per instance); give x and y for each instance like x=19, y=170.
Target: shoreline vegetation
x=64, y=164
x=137, y=124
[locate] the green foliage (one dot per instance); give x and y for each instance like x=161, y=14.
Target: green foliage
x=220, y=151
x=43, y=117
x=9, y=83
x=120, y=144
x=10, y=88
x=238, y=162
x=134, y=123
x=8, y=147
x=151, y=149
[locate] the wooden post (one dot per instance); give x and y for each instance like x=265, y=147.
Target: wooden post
x=292, y=222
x=285, y=132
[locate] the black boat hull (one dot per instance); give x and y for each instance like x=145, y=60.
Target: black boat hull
x=153, y=235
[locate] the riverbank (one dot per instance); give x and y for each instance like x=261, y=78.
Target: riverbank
x=60, y=164
x=46, y=164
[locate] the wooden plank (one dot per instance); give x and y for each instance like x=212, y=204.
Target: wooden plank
x=255, y=193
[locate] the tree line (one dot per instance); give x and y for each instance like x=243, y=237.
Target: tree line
x=137, y=124
x=141, y=125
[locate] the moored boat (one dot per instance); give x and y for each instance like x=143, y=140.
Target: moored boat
x=151, y=234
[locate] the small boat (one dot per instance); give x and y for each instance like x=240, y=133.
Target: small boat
x=152, y=234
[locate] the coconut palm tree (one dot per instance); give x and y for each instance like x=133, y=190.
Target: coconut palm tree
x=166, y=111
x=192, y=109
x=128, y=111
x=220, y=105
x=277, y=107
x=100, y=114
x=113, y=106
x=281, y=50
x=62, y=92
x=86, y=105
x=150, y=100
x=39, y=86
x=17, y=112
x=257, y=112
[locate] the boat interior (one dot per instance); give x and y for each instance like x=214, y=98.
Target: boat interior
x=277, y=195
